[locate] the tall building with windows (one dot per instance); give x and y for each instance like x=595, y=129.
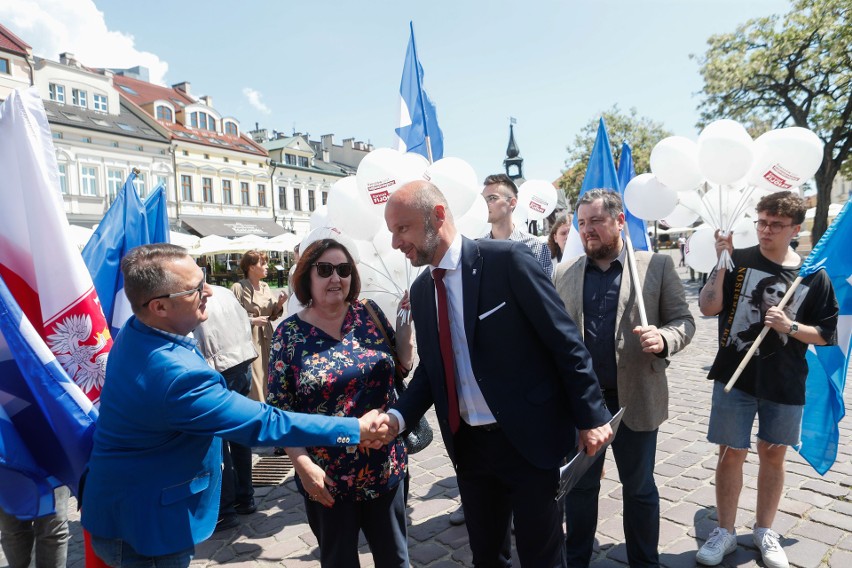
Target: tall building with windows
x=16, y=63
x=222, y=177
x=99, y=138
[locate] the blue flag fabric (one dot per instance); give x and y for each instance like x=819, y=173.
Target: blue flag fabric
x=827, y=365
x=123, y=227
x=635, y=225
x=157, y=215
x=46, y=422
x=600, y=174
x=418, y=118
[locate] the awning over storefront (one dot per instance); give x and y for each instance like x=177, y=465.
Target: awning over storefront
x=232, y=226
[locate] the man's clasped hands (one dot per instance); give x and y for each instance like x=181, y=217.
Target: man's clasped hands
x=377, y=429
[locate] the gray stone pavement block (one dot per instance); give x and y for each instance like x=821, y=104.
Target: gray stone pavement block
x=815, y=516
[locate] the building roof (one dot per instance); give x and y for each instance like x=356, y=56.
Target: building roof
x=12, y=43
x=142, y=93
x=126, y=123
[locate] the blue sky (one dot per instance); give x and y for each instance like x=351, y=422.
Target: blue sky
x=334, y=67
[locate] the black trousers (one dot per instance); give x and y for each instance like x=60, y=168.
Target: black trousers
x=236, y=458
x=497, y=483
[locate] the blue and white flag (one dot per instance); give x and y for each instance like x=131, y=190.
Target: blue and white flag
x=46, y=421
x=123, y=227
x=418, y=123
x=824, y=408
x=635, y=226
x=157, y=215
x=600, y=174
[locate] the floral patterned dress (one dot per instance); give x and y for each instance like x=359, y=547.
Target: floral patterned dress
x=312, y=372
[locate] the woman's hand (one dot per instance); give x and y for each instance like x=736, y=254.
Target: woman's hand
x=259, y=321
x=315, y=480
x=282, y=297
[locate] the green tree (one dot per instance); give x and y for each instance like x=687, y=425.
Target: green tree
x=641, y=133
x=791, y=70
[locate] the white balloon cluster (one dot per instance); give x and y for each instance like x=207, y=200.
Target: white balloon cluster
x=356, y=208
x=719, y=179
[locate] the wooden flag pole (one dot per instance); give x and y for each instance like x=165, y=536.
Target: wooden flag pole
x=634, y=276
x=760, y=337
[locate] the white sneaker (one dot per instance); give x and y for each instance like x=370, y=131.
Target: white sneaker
x=766, y=541
x=719, y=544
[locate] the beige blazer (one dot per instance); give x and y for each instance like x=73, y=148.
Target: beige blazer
x=642, y=385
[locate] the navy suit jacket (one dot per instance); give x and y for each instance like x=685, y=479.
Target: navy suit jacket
x=155, y=471
x=527, y=355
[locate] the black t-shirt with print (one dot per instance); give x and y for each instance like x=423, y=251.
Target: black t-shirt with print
x=778, y=370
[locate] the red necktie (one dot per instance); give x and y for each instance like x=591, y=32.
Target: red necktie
x=445, y=338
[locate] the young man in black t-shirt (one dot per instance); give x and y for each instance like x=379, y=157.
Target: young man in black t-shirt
x=772, y=385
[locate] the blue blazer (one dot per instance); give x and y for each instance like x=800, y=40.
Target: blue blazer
x=155, y=472
x=527, y=355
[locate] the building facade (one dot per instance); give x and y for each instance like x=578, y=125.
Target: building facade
x=16, y=63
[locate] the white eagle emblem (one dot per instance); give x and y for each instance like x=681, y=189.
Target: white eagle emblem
x=84, y=363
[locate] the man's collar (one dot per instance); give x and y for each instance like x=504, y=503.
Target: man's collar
x=451, y=258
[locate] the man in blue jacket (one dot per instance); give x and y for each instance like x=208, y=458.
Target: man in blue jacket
x=152, y=490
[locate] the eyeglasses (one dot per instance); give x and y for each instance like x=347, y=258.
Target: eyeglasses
x=198, y=289
x=777, y=292
x=773, y=227
x=493, y=198
x=324, y=269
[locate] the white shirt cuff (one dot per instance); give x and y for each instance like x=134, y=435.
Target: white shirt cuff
x=399, y=417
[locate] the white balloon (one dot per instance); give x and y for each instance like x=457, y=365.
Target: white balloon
x=785, y=158
x=415, y=165
x=330, y=233
x=380, y=173
x=719, y=207
x=539, y=196
x=701, y=250
x=474, y=223
x=725, y=151
x=674, y=160
x=319, y=218
x=649, y=199
x=349, y=213
x=519, y=216
x=745, y=234
x=457, y=181
x=687, y=210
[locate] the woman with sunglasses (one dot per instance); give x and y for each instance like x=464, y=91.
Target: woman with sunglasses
x=331, y=358
x=263, y=308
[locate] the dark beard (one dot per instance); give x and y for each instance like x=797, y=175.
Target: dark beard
x=605, y=251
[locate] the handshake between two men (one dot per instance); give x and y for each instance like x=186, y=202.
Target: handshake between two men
x=378, y=429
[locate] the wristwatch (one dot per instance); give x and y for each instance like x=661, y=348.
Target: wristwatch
x=794, y=329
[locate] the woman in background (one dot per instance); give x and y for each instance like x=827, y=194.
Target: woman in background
x=558, y=237
x=262, y=307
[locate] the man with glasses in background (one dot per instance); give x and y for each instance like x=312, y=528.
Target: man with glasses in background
x=772, y=385
x=152, y=486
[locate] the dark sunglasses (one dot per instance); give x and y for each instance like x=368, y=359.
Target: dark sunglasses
x=199, y=289
x=777, y=292
x=324, y=269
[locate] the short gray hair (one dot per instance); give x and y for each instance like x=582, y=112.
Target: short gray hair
x=145, y=275
x=611, y=201
x=427, y=197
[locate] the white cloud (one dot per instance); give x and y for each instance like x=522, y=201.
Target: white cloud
x=254, y=97
x=52, y=27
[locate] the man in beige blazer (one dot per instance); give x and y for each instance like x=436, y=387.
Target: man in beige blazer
x=630, y=361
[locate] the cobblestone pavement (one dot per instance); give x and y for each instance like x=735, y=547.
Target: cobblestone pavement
x=815, y=516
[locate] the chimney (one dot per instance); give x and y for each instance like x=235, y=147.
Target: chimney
x=326, y=155
x=206, y=100
x=349, y=142
x=182, y=87
x=67, y=58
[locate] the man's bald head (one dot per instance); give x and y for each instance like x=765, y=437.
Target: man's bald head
x=419, y=219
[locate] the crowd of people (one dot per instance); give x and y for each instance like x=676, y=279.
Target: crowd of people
x=198, y=376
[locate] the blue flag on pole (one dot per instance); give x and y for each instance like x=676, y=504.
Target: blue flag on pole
x=157, y=215
x=635, y=225
x=600, y=174
x=417, y=117
x=46, y=422
x=123, y=227
x=827, y=364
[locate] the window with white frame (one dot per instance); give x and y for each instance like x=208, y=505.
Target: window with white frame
x=57, y=92
x=163, y=181
x=63, y=179
x=227, y=197
x=282, y=197
x=261, y=195
x=4, y=66
x=141, y=188
x=165, y=113
x=89, y=181
x=100, y=102
x=231, y=129
x=244, y=193
x=202, y=121
x=115, y=179
x=312, y=203
x=207, y=189
x=297, y=199
x=78, y=98
x=324, y=197
x=186, y=188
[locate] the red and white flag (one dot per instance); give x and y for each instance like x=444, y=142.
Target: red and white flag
x=38, y=260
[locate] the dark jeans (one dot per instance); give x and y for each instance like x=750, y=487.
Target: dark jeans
x=634, y=454
x=236, y=458
x=47, y=536
x=496, y=484
x=382, y=520
x=118, y=554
